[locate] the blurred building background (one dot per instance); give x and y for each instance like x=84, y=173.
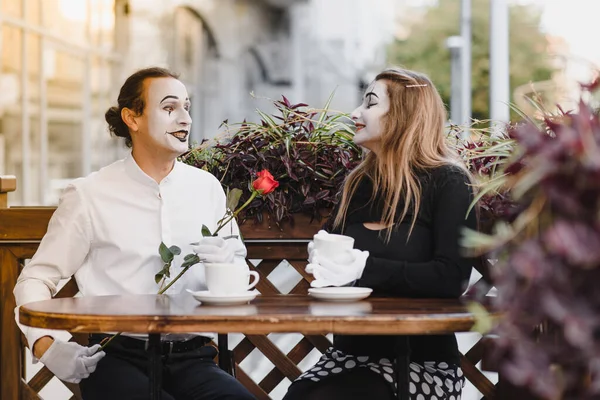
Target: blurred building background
x=63, y=62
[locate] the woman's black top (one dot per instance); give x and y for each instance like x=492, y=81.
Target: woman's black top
x=429, y=264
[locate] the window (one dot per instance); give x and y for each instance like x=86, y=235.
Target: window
x=56, y=82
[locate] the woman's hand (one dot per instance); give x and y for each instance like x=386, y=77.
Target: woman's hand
x=340, y=270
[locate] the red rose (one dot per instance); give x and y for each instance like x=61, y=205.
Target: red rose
x=264, y=183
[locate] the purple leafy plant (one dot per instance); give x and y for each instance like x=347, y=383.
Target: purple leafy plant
x=309, y=151
x=485, y=152
x=548, y=254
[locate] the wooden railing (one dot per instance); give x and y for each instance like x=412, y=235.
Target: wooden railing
x=21, y=229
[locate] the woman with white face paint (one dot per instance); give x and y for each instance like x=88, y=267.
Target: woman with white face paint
x=404, y=205
x=106, y=233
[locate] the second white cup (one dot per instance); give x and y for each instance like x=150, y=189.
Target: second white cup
x=223, y=279
x=332, y=244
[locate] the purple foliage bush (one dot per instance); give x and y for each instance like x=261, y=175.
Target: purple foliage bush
x=308, y=151
x=548, y=268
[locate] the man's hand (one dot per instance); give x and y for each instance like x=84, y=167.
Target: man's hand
x=69, y=361
x=216, y=250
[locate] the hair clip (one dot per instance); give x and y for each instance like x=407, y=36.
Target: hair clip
x=422, y=85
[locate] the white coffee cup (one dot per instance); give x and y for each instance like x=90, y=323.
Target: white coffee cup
x=223, y=279
x=331, y=244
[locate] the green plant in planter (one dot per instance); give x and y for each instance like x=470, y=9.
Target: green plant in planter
x=308, y=151
x=485, y=153
x=548, y=265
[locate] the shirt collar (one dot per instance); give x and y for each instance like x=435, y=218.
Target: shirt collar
x=136, y=173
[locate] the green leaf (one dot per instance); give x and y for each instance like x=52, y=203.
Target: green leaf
x=475, y=243
x=175, y=250
x=206, y=231
x=233, y=198
x=272, y=124
x=165, y=253
x=490, y=187
x=158, y=277
x=522, y=114
x=190, y=261
x=326, y=108
x=188, y=256
x=167, y=270
x=483, y=320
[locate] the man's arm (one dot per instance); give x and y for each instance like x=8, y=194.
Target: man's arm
x=60, y=254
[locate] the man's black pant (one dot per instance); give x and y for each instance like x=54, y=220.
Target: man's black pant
x=187, y=375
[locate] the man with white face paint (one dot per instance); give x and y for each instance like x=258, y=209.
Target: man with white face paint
x=106, y=232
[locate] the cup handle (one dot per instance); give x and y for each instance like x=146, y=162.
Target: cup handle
x=256, y=278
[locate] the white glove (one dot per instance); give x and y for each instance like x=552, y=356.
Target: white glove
x=340, y=270
x=70, y=361
x=311, y=247
x=216, y=250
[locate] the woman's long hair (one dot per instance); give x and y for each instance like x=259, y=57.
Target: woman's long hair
x=413, y=139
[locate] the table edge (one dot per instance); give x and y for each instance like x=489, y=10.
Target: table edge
x=380, y=324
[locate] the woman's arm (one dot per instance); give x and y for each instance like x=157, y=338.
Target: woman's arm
x=447, y=272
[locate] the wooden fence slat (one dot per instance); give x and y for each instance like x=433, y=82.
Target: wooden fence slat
x=477, y=378
x=245, y=380
x=300, y=288
x=27, y=393
x=475, y=353
x=297, y=354
x=276, y=356
x=267, y=266
x=320, y=342
x=40, y=379
x=10, y=336
x=241, y=351
x=264, y=285
x=300, y=267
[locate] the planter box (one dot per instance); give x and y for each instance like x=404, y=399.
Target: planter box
x=304, y=227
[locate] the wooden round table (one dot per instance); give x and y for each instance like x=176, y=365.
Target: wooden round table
x=156, y=314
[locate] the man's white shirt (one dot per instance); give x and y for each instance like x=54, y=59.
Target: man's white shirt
x=108, y=227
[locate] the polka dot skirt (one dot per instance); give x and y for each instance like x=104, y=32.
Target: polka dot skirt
x=428, y=381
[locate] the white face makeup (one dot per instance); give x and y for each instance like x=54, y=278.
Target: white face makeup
x=166, y=117
x=369, y=116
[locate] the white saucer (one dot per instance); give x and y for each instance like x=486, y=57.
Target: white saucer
x=206, y=297
x=345, y=293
